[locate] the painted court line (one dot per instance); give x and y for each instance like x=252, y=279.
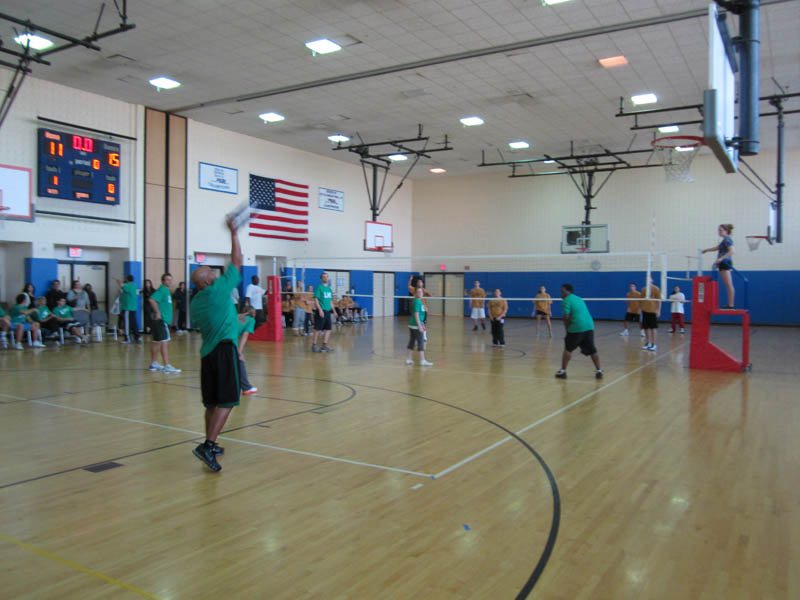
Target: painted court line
x=229, y=439
x=76, y=566
x=12, y=397
x=580, y=400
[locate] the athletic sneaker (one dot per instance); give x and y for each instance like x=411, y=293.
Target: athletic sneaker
x=653, y=348
x=646, y=347
x=426, y=363
x=218, y=450
x=624, y=332
x=208, y=456
x=18, y=346
x=252, y=390
x=641, y=334
x=38, y=345
x=475, y=328
x=409, y=361
x=326, y=348
x=561, y=374
x=598, y=374
x=315, y=348
x=682, y=330
x=155, y=367
x=170, y=369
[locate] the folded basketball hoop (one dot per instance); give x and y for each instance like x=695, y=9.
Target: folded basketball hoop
x=676, y=153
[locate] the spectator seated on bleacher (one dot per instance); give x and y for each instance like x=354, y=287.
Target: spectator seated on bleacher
x=21, y=320
x=358, y=312
x=49, y=323
x=54, y=293
x=5, y=324
x=68, y=322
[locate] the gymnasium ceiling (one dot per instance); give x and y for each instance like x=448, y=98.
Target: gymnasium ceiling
x=548, y=95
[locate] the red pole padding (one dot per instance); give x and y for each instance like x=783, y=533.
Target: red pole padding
x=272, y=329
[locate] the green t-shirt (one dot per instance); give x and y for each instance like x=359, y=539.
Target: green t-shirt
x=324, y=294
x=417, y=306
x=63, y=312
x=214, y=314
x=128, y=299
x=17, y=313
x=163, y=297
x=249, y=325
x=42, y=312
x=2, y=312
x=580, y=319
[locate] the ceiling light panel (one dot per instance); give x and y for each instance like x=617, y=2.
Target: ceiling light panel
x=648, y=98
x=471, y=121
x=323, y=46
x=34, y=41
x=271, y=117
x=164, y=83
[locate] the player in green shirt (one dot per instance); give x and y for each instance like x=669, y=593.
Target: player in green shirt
x=322, y=315
x=161, y=302
x=214, y=314
x=20, y=314
x=128, y=308
x=417, y=329
x=580, y=331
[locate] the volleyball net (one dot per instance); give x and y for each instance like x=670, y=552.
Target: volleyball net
x=604, y=279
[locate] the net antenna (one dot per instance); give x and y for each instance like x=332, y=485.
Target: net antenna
x=676, y=153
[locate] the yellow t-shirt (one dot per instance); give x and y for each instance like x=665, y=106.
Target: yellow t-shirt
x=651, y=306
x=634, y=306
x=543, y=305
x=477, y=293
x=497, y=306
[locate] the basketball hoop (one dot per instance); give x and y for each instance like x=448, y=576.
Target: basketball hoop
x=676, y=153
x=754, y=240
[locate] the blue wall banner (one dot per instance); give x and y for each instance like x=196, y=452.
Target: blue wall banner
x=218, y=179
x=331, y=199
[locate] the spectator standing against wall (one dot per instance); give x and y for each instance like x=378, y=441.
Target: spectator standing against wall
x=179, y=303
x=161, y=302
x=255, y=293
x=147, y=309
x=128, y=308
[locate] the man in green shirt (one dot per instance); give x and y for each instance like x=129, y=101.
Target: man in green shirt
x=214, y=314
x=580, y=331
x=127, y=308
x=322, y=315
x=161, y=301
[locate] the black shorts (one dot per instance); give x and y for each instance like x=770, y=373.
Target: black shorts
x=322, y=323
x=219, y=376
x=542, y=313
x=632, y=317
x=160, y=331
x=649, y=320
x=725, y=266
x=584, y=339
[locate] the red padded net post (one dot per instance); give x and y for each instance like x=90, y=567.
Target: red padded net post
x=272, y=329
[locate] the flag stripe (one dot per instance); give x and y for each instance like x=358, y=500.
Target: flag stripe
x=280, y=237
x=277, y=228
x=292, y=202
x=290, y=192
x=290, y=211
x=280, y=219
x=284, y=182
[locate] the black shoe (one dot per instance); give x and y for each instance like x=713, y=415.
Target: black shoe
x=207, y=455
x=483, y=326
x=475, y=328
x=598, y=374
x=561, y=374
x=218, y=450
x=326, y=348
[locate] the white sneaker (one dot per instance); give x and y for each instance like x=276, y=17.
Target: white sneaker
x=624, y=332
x=653, y=348
x=641, y=333
x=682, y=330
x=646, y=347
x=38, y=344
x=18, y=346
x=155, y=367
x=169, y=369
x=409, y=361
x=426, y=363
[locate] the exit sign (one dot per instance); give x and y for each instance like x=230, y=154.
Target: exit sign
x=75, y=252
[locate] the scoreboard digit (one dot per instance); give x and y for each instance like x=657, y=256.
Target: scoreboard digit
x=76, y=167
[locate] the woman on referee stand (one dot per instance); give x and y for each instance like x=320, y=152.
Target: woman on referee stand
x=724, y=260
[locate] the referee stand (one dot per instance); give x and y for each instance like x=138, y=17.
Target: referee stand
x=703, y=354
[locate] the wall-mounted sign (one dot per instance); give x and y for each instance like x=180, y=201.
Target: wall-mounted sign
x=75, y=252
x=218, y=179
x=331, y=199
x=199, y=258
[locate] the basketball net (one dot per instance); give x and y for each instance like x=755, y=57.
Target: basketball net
x=676, y=153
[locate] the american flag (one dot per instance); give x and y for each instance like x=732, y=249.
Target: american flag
x=278, y=209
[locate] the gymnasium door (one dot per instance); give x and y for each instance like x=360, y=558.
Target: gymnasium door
x=446, y=284
x=339, y=282
x=383, y=294
x=434, y=283
x=95, y=273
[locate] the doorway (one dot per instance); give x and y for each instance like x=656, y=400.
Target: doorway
x=446, y=284
x=382, y=294
x=93, y=272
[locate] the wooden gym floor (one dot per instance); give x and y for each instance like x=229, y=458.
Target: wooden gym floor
x=351, y=475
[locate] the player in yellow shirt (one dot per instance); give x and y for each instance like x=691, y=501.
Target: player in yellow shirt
x=541, y=308
x=498, y=309
x=634, y=311
x=478, y=295
x=650, y=311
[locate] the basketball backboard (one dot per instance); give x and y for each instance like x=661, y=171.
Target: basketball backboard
x=378, y=237
x=719, y=100
x=576, y=239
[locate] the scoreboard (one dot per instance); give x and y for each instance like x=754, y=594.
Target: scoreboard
x=76, y=167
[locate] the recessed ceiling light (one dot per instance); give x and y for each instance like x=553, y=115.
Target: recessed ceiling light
x=613, y=61
x=644, y=98
x=164, y=83
x=669, y=129
x=471, y=121
x=338, y=138
x=438, y=170
x=519, y=145
x=397, y=157
x=550, y=2
x=323, y=46
x=271, y=117
x=33, y=41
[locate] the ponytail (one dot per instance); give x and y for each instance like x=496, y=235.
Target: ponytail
x=727, y=227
